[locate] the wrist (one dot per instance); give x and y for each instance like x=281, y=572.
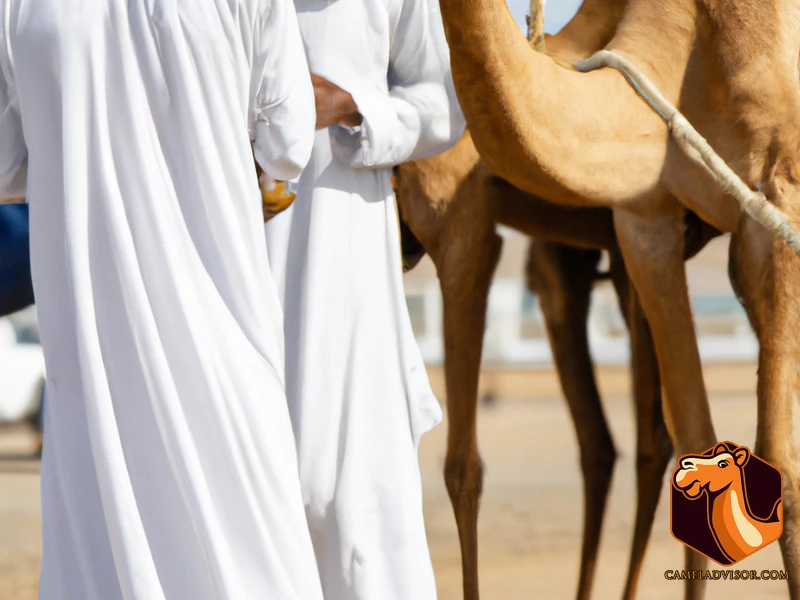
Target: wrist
x=348, y=111
x=353, y=119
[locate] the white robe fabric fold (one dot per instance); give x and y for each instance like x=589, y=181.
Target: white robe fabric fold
x=357, y=386
x=169, y=468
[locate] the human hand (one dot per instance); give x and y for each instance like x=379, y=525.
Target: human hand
x=334, y=105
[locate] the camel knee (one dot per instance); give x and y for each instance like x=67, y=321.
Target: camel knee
x=463, y=477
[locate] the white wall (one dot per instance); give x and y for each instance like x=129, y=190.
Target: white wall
x=725, y=335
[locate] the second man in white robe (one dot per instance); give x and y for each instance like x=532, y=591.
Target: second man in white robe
x=357, y=387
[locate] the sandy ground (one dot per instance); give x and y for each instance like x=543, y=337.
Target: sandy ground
x=530, y=523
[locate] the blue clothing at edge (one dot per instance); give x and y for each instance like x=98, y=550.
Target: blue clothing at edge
x=16, y=288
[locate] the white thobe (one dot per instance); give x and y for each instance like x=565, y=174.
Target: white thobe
x=169, y=468
x=357, y=387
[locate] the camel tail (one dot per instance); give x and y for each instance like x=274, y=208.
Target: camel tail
x=697, y=148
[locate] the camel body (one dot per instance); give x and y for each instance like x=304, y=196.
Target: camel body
x=451, y=203
x=589, y=141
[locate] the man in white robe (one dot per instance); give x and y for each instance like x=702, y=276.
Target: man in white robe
x=169, y=468
x=358, y=391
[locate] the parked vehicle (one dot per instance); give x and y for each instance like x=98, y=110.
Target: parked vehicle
x=22, y=376
x=16, y=287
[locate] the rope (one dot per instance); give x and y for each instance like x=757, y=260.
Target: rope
x=697, y=148
x=536, y=26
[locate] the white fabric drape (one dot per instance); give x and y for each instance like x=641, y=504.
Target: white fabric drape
x=169, y=468
x=358, y=391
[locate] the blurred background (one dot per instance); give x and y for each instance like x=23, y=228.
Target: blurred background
x=515, y=333
x=531, y=514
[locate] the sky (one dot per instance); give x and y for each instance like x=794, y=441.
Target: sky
x=557, y=13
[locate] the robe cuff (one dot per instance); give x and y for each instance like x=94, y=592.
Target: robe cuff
x=369, y=144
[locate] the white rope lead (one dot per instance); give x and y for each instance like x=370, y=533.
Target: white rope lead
x=697, y=148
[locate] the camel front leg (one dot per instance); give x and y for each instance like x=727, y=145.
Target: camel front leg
x=652, y=247
x=766, y=277
x=465, y=273
x=653, y=446
x=563, y=278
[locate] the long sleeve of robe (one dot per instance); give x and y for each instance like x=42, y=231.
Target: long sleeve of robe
x=169, y=467
x=356, y=383
x=407, y=112
x=282, y=96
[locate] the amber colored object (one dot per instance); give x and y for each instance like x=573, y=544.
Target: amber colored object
x=275, y=195
x=275, y=200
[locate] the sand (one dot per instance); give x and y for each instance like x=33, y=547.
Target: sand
x=531, y=512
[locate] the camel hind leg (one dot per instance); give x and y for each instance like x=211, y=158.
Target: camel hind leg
x=457, y=229
x=653, y=446
x=652, y=244
x=465, y=274
x=563, y=277
x=465, y=271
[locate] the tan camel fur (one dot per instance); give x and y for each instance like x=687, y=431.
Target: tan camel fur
x=720, y=480
x=588, y=139
x=456, y=227
x=453, y=198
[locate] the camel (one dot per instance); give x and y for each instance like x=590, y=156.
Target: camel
x=720, y=479
x=591, y=140
x=453, y=197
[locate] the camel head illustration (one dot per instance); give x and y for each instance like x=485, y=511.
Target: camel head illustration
x=719, y=478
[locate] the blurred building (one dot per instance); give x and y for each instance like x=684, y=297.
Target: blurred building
x=515, y=333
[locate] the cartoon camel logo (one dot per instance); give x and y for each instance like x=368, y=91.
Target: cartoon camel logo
x=736, y=486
